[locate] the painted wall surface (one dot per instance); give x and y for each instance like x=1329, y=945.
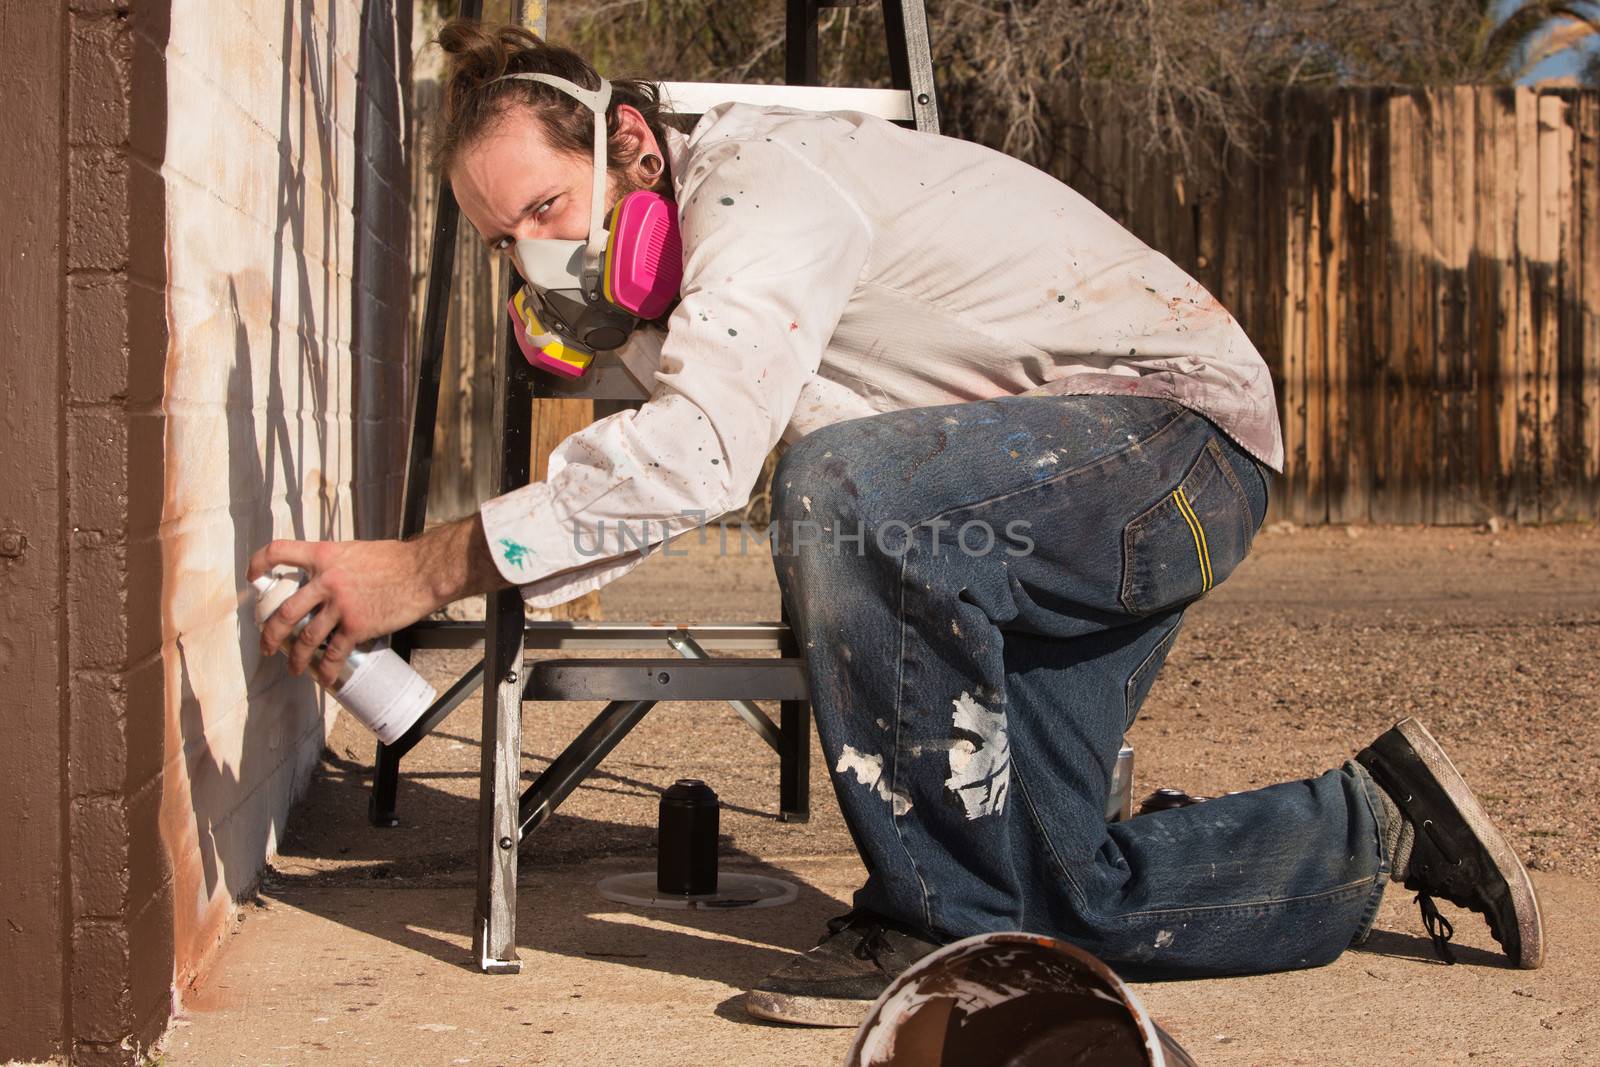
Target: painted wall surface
x=281, y=238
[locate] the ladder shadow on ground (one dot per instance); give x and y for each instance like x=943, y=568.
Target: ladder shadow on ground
x=331, y=861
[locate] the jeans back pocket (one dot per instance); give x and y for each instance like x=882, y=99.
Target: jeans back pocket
x=1178, y=549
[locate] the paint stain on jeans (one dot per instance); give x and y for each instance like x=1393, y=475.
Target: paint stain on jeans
x=869, y=772
x=980, y=758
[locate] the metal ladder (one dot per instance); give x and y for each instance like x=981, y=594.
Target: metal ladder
x=506, y=813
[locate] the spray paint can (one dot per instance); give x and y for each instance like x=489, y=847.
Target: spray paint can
x=686, y=857
x=382, y=691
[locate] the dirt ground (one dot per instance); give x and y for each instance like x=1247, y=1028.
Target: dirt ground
x=358, y=949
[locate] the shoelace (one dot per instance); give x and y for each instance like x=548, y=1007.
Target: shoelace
x=873, y=942
x=1439, y=928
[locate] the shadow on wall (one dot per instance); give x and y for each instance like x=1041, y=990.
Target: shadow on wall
x=251, y=482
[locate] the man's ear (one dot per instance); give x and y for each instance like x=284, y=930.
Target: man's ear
x=631, y=125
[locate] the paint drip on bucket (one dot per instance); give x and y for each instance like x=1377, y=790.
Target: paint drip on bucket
x=382, y=691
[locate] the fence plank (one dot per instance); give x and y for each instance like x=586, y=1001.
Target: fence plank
x=1505, y=390
x=1456, y=494
x=1337, y=472
x=1527, y=255
x=1294, y=331
x=1319, y=195
x=1355, y=323
x=1546, y=302
x=1416, y=409
x=1482, y=297
x=1588, y=298
x=1438, y=260
x=1567, y=390
x=1266, y=268
x=1397, y=400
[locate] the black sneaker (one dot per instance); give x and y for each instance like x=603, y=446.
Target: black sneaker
x=1457, y=853
x=835, y=983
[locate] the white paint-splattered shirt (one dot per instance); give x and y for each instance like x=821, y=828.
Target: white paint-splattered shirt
x=837, y=266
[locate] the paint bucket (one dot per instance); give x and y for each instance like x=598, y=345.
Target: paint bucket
x=1011, y=1000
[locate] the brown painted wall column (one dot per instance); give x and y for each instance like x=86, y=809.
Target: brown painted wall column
x=86, y=950
x=33, y=922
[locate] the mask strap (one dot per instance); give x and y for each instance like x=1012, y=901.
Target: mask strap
x=596, y=100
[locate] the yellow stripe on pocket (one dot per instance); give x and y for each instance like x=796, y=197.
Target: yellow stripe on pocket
x=1201, y=551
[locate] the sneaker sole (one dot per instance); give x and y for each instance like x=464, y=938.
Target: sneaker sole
x=1524, y=902
x=806, y=1011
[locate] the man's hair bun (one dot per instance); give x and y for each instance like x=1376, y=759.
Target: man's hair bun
x=474, y=100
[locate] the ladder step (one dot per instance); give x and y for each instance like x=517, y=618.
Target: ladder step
x=666, y=679
x=564, y=635
x=696, y=98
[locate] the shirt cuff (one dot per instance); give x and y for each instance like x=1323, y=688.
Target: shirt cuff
x=539, y=551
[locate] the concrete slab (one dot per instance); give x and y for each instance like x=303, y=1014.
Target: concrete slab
x=359, y=951
x=383, y=975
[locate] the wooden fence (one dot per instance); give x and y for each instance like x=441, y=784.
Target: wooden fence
x=1421, y=270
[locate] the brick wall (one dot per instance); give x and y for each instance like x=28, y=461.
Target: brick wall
x=202, y=329
x=119, y=915
x=87, y=934
x=284, y=393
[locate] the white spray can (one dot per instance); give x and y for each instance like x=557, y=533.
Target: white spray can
x=383, y=691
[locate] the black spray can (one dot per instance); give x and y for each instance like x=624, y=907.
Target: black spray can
x=686, y=855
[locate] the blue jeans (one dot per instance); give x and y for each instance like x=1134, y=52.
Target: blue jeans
x=984, y=593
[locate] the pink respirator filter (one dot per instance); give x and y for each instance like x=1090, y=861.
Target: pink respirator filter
x=644, y=257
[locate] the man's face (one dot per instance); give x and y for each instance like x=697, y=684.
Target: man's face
x=513, y=186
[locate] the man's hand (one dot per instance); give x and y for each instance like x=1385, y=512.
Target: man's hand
x=366, y=589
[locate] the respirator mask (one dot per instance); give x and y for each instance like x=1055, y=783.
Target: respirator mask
x=583, y=297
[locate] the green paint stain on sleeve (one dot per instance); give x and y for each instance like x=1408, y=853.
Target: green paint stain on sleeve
x=515, y=554
x=727, y=201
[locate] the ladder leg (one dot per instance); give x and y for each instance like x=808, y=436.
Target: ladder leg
x=800, y=42
x=495, y=918
x=911, y=58
x=794, y=762
x=385, y=786
x=794, y=722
